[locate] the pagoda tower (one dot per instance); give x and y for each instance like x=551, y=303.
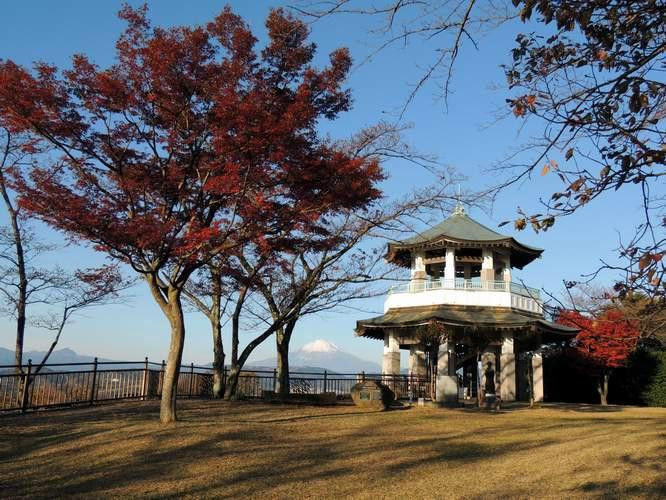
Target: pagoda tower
x=461, y=281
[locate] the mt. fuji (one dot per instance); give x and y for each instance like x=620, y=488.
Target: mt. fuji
x=324, y=354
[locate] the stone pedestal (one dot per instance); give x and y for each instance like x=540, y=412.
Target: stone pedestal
x=372, y=394
x=446, y=390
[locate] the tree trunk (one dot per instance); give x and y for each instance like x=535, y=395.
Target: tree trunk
x=20, y=334
x=218, y=360
x=602, y=388
x=232, y=382
x=237, y=364
x=282, y=340
x=218, y=348
x=21, y=299
x=174, y=359
x=234, y=372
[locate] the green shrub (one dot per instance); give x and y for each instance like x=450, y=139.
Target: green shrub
x=655, y=391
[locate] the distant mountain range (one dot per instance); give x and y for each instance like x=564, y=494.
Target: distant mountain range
x=314, y=357
x=60, y=356
x=324, y=355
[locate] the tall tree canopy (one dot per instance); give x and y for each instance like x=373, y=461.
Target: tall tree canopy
x=191, y=144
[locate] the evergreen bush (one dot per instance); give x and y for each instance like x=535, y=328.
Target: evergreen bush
x=655, y=392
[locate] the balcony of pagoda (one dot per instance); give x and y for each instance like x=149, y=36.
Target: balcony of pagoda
x=464, y=292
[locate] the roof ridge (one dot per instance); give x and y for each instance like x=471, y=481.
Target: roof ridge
x=478, y=224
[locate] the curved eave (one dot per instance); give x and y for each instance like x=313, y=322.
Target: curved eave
x=398, y=253
x=462, y=317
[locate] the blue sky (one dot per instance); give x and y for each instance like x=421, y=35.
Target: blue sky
x=467, y=137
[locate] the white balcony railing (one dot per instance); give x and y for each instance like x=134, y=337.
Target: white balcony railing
x=465, y=284
x=474, y=292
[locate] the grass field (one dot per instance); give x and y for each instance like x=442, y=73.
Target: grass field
x=259, y=450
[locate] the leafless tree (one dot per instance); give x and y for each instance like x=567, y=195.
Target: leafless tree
x=590, y=83
x=16, y=151
x=72, y=293
x=24, y=280
x=441, y=26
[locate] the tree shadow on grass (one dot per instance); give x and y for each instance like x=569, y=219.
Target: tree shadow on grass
x=613, y=489
x=572, y=407
x=219, y=450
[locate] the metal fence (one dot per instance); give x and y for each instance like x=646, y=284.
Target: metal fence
x=59, y=384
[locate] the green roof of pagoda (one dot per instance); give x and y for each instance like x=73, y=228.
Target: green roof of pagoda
x=462, y=231
x=461, y=227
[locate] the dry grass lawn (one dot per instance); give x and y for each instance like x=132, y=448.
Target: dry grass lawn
x=259, y=450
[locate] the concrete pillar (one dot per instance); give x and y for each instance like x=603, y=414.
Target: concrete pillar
x=446, y=384
x=443, y=358
x=418, y=270
x=507, y=370
x=417, y=364
x=506, y=268
x=537, y=374
x=391, y=361
x=487, y=265
x=450, y=268
x=418, y=265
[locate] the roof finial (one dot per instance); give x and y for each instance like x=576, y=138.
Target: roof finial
x=460, y=208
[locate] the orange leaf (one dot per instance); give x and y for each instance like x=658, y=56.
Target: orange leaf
x=545, y=169
x=575, y=186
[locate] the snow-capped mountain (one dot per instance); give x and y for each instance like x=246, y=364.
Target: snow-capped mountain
x=324, y=354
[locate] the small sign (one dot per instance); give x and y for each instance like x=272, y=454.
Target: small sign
x=364, y=395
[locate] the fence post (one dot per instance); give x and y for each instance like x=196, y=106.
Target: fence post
x=93, y=386
x=26, y=393
x=144, y=389
x=325, y=381
x=162, y=377
x=191, y=378
x=274, y=379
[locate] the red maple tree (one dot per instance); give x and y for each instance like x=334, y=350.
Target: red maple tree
x=604, y=341
x=191, y=144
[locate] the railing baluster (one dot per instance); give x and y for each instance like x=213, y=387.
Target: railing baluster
x=26, y=382
x=144, y=390
x=191, y=378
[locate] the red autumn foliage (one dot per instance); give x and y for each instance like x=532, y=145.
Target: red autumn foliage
x=192, y=144
x=607, y=340
x=190, y=141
